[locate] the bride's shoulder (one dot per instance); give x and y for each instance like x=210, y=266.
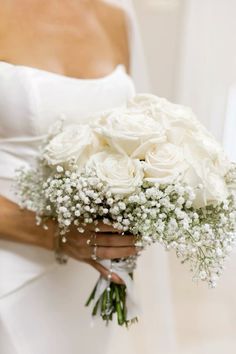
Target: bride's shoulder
x=115, y=21
x=4, y=18
x=114, y=17
x=112, y=12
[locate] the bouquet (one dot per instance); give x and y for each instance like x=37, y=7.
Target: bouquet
x=149, y=168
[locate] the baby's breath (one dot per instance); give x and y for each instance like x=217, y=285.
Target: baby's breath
x=154, y=213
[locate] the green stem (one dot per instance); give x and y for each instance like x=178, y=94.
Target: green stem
x=104, y=302
x=112, y=302
x=95, y=309
x=118, y=307
x=91, y=297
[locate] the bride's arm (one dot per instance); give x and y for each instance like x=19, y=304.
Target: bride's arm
x=19, y=226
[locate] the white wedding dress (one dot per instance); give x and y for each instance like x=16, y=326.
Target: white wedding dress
x=41, y=303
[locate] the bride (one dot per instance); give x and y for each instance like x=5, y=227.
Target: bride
x=73, y=58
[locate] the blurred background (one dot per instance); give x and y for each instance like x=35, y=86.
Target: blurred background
x=190, y=47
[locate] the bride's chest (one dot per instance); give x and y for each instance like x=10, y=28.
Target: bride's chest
x=31, y=99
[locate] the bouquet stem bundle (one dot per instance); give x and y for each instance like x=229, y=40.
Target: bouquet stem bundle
x=112, y=301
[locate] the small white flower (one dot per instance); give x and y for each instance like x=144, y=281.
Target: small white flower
x=202, y=275
x=81, y=230
x=219, y=252
x=63, y=209
x=60, y=169
x=67, y=222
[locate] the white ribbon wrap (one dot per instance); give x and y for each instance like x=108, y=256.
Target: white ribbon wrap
x=122, y=269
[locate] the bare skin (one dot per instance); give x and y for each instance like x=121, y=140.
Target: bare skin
x=79, y=39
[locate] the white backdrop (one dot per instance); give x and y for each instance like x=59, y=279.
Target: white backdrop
x=160, y=22
x=191, y=53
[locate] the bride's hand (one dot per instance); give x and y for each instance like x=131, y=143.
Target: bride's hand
x=108, y=243
x=19, y=226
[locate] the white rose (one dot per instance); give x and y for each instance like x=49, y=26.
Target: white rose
x=161, y=106
x=75, y=141
x=121, y=173
x=204, y=146
x=142, y=100
x=213, y=187
x=176, y=119
x=164, y=163
x=208, y=165
x=129, y=131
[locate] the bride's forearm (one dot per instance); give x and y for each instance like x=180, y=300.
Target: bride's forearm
x=19, y=226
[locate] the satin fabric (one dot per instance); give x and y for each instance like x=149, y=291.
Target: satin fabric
x=41, y=303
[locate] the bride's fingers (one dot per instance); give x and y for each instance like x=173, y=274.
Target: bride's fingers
x=102, y=227
x=115, y=252
x=113, y=240
x=103, y=239
x=105, y=272
x=101, y=252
